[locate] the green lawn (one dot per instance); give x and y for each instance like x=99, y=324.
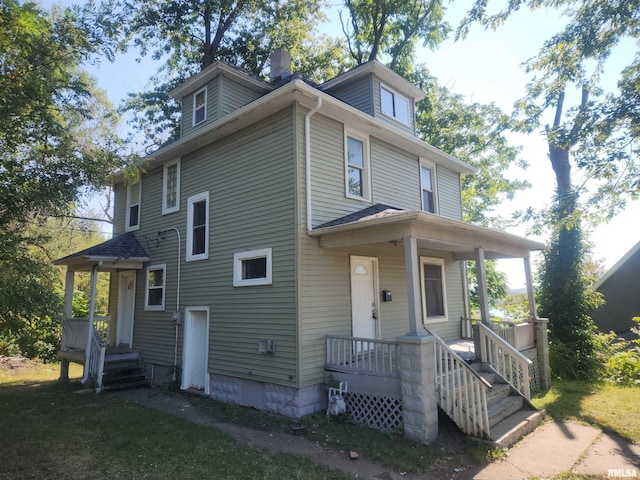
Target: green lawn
x=48, y=431
x=614, y=408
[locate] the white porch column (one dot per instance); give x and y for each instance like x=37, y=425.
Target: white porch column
x=481, y=277
x=413, y=285
x=92, y=312
x=530, y=294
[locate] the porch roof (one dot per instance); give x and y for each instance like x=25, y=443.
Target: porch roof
x=383, y=224
x=121, y=252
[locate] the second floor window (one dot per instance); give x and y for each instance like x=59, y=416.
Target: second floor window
x=199, y=106
x=357, y=166
x=171, y=188
x=427, y=181
x=394, y=105
x=198, y=227
x=133, y=207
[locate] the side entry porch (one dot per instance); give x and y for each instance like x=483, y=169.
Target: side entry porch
x=103, y=346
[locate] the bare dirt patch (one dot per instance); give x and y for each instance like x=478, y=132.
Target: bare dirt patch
x=11, y=364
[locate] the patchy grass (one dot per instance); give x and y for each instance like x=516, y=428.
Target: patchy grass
x=51, y=432
x=611, y=407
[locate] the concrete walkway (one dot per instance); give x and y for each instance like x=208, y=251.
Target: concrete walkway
x=558, y=447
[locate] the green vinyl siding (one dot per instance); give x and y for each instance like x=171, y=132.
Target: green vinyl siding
x=449, y=197
x=234, y=96
x=357, y=93
x=396, y=176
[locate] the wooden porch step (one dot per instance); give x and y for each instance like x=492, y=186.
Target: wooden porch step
x=125, y=385
x=503, y=408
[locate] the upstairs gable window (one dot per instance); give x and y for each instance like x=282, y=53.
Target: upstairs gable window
x=132, y=220
x=171, y=188
x=394, y=105
x=357, y=166
x=199, y=106
x=427, y=181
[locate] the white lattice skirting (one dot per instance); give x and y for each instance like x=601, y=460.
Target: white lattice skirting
x=381, y=413
x=534, y=369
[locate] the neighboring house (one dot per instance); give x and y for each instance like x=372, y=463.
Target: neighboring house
x=620, y=287
x=297, y=229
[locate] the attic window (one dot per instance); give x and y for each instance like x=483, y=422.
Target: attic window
x=394, y=105
x=199, y=106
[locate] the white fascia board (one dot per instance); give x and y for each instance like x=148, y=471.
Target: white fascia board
x=306, y=95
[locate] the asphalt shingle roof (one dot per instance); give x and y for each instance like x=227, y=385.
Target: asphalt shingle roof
x=359, y=215
x=121, y=246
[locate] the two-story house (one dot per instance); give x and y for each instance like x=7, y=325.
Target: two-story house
x=296, y=229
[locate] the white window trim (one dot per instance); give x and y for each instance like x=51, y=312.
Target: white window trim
x=440, y=318
x=395, y=94
x=128, y=228
x=190, y=201
x=150, y=268
x=204, y=89
x=239, y=257
x=366, y=178
x=165, y=209
x=434, y=182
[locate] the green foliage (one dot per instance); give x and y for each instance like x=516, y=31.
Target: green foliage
x=566, y=299
x=497, y=287
x=515, y=306
x=620, y=358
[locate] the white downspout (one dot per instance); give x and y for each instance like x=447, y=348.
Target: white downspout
x=177, y=312
x=307, y=158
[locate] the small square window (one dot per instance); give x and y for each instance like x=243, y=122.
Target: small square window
x=154, y=298
x=200, y=106
x=252, y=268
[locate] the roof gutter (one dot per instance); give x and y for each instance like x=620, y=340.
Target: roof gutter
x=307, y=158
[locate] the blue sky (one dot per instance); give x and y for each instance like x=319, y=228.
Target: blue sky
x=485, y=67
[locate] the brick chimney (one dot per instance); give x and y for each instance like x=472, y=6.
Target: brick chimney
x=280, y=63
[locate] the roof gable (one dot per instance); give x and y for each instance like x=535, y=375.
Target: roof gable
x=635, y=250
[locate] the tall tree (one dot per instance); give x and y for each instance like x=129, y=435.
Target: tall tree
x=596, y=136
x=391, y=29
x=190, y=34
x=56, y=140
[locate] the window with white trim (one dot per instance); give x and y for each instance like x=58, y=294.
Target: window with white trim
x=252, y=268
x=154, y=293
x=357, y=172
x=171, y=187
x=434, y=296
x=198, y=227
x=132, y=217
x=199, y=106
x=428, y=187
x=394, y=105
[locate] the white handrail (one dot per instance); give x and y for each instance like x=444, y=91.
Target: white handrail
x=95, y=362
x=462, y=392
x=505, y=360
x=362, y=355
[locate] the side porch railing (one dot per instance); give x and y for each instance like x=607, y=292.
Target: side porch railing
x=95, y=363
x=362, y=355
x=462, y=392
x=74, y=331
x=505, y=360
x=520, y=335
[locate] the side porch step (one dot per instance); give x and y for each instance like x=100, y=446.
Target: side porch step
x=123, y=369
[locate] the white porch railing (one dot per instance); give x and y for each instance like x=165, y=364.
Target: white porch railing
x=362, y=355
x=505, y=360
x=95, y=362
x=74, y=331
x=462, y=392
x=519, y=335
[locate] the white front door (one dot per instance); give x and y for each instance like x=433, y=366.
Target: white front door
x=126, y=307
x=195, y=351
x=364, y=303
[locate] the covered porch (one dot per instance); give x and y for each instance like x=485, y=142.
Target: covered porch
x=418, y=370
x=98, y=342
